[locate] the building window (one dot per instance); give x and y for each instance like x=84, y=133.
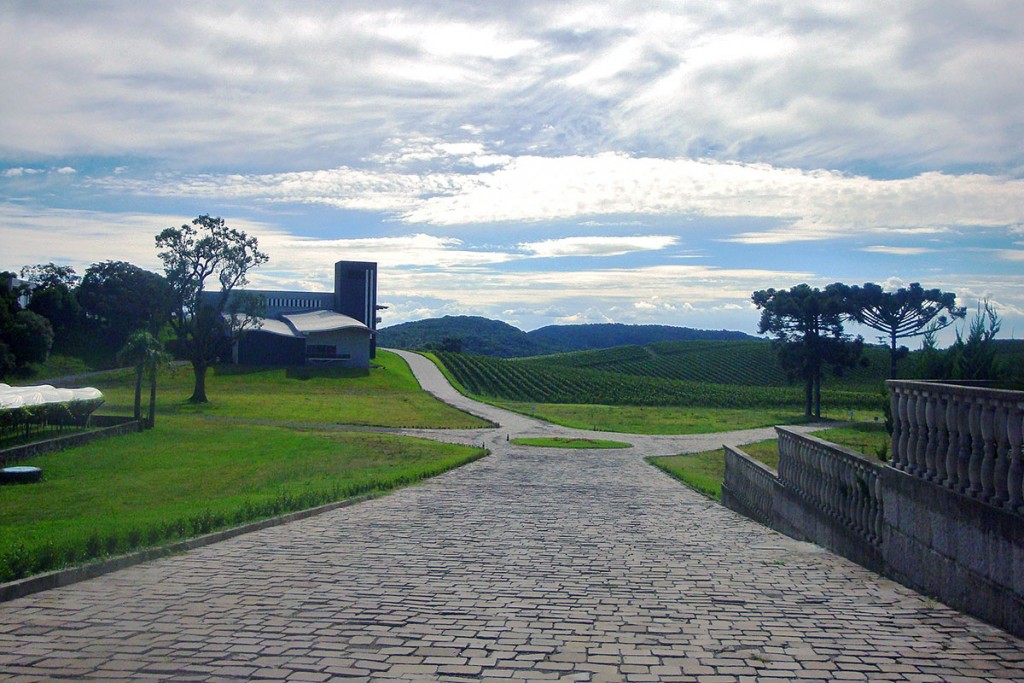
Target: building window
x=320, y=351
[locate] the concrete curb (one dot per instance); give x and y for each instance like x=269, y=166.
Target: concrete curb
x=66, y=577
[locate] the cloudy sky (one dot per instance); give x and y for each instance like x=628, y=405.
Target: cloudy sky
x=534, y=162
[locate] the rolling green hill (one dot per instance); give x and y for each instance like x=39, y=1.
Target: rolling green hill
x=748, y=363
x=608, y=335
x=472, y=334
x=723, y=374
x=482, y=336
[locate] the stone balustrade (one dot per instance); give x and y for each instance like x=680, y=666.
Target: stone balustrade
x=749, y=486
x=964, y=438
x=945, y=518
x=837, y=481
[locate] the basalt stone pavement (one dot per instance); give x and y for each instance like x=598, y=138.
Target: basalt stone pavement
x=531, y=564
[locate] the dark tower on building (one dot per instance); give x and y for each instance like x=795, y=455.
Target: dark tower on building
x=355, y=294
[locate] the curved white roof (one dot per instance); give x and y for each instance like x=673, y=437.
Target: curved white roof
x=277, y=327
x=322, y=321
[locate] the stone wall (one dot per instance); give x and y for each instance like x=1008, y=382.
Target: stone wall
x=968, y=554
x=105, y=427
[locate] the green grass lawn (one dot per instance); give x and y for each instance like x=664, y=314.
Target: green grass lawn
x=190, y=476
x=193, y=474
x=567, y=442
x=867, y=438
x=706, y=471
x=385, y=396
x=655, y=419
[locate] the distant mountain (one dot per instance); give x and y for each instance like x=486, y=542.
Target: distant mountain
x=482, y=336
x=461, y=333
x=603, y=336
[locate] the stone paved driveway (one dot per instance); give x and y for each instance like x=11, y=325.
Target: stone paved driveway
x=527, y=565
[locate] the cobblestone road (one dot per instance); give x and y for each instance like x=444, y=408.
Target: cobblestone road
x=530, y=564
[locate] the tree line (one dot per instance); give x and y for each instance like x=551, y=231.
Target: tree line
x=807, y=326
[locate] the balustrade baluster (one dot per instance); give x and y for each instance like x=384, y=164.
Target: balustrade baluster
x=1002, y=447
x=824, y=486
x=1015, y=475
x=963, y=455
x=835, y=489
x=921, y=435
x=912, y=433
x=905, y=459
x=977, y=449
x=869, y=503
x=897, y=428
x=932, y=440
x=953, y=442
x=859, y=511
x=941, y=436
x=878, y=512
x=844, y=501
x=833, y=485
x=988, y=451
x=817, y=480
x=810, y=481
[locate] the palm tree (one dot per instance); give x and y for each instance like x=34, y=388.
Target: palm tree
x=146, y=353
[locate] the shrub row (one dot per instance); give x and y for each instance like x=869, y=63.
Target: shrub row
x=25, y=419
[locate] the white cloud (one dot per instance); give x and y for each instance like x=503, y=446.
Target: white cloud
x=18, y=171
x=897, y=251
x=807, y=205
x=810, y=204
x=806, y=84
x=1010, y=254
x=588, y=316
x=597, y=246
x=295, y=254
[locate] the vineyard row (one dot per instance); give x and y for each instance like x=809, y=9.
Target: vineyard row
x=545, y=383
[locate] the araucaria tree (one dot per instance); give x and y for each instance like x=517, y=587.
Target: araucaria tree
x=907, y=312
x=191, y=255
x=807, y=324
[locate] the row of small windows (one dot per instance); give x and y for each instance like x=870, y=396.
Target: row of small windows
x=282, y=302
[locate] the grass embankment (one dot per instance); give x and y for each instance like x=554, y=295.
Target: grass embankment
x=568, y=442
x=705, y=471
x=192, y=475
x=385, y=396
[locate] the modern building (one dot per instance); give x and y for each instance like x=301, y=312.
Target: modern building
x=317, y=327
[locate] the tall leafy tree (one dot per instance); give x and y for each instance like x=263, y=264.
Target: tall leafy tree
x=807, y=324
x=907, y=312
x=29, y=338
x=53, y=297
x=192, y=255
x=25, y=337
x=48, y=275
x=119, y=298
x=975, y=358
